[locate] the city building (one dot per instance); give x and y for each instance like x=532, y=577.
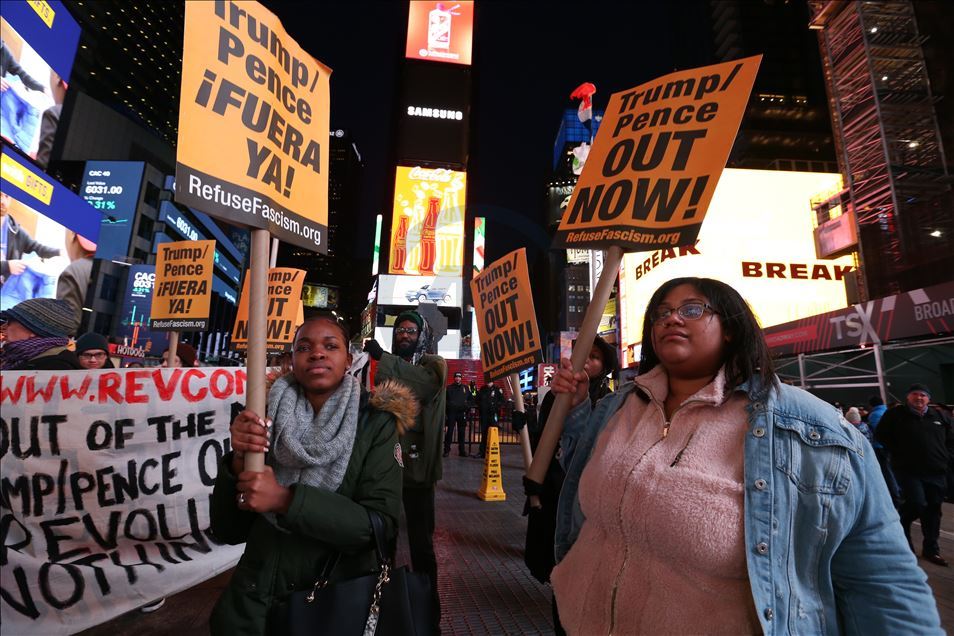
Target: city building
x=786, y=124
x=887, y=120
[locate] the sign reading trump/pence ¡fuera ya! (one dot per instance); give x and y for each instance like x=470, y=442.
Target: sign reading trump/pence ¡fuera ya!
x=253, y=124
x=506, y=320
x=182, y=293
x=657, y=159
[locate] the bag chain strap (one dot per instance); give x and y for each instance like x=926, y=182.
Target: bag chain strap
x=383, y=579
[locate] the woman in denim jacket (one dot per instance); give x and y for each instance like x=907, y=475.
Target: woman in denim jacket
x=706, y=497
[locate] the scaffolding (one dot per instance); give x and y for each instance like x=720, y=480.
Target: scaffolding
x=885, y=369
x=887, y=140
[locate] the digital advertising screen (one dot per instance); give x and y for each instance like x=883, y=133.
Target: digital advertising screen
x=413, y=290
x=434, y=114
x=440, y=31
x=112, y=187
x=39, y=43
x=136, y=307
x=758, y=238
x=38, y=217
x=427, y=230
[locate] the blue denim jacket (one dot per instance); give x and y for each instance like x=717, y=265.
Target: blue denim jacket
x=825, y=549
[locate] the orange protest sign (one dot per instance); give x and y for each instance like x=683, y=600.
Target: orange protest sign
x=253, y=124
x=657, y=158
x=284, y=309
x=182, y=293
x=506, y=320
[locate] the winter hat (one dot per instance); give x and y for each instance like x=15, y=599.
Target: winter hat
x=411, y=315
x=46, y=317
x=610, y=357
x=91, y=340
x=914, y=387
x=186, y=354
x=853, y=415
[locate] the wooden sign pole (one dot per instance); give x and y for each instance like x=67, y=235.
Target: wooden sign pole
x=518, y=405
x=256, y=358
x=581, y=349
x=173, y=347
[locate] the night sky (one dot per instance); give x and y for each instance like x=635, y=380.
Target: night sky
x=528, y=57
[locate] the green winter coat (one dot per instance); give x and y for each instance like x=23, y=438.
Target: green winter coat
x=319, y=522
x=423, y=445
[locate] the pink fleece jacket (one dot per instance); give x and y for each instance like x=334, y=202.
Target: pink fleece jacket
x=662, y=548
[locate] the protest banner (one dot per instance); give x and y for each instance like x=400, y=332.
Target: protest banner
x=506, y=320
x=647, y=184
x=253, y=124
x=182, y=293
x=104, y=495
x=657, y=159
x=284, y=310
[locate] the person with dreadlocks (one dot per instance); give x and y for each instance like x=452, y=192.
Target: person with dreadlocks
x=413, y=365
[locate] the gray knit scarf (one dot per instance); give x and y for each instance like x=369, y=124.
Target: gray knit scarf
x=309, y=448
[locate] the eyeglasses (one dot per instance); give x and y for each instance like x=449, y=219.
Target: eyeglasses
x=95, y=355
x=688, y=311
x=408, y=330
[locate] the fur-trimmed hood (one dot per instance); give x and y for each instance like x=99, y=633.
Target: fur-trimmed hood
x=393, y=397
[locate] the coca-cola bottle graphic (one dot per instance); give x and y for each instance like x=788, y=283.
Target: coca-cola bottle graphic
x=439, y=28
x=428, y=239
x=399, y=248
x=450, y=238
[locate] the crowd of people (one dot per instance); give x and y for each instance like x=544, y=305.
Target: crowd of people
x=704, y=496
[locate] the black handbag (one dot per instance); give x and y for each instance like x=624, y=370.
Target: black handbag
x=394, y=602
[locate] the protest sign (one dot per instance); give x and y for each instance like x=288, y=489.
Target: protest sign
x=284, y=310
x=506, y=320
x=182, y=293
x=253, y=124
x=104, y=496
x=657, y=159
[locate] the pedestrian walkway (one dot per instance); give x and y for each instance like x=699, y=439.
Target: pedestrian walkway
x=484, y=586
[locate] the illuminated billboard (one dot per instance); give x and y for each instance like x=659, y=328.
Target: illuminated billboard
x=37, y=216
x=414, y=290
x=39, y=42
x=113, y=188
x=440, y=31
x=757, y=237
x=427, y=229
x=434, y=114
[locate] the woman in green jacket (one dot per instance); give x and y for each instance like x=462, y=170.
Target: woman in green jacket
x=332, y=456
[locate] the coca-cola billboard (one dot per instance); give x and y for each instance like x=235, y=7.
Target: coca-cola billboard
x=921, y=312
x=427, y=228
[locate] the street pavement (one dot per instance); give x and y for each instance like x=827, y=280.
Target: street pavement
x=484, y=586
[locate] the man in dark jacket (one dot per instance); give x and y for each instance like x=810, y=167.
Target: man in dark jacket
x=921, y=444
x=488, y=404
x=15, y=242
x=425, y=374
x=458, y=401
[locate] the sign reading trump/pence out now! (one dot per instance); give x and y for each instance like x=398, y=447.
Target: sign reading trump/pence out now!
x=657, y=158
x=284, y=310
x=253, y=124
x=506, y=321
x=182, y=293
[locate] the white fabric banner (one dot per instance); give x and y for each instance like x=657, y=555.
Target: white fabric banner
x=104, y=490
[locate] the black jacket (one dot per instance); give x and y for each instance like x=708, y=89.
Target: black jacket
x=458, y=398
x=919, y=444
x=19, y=242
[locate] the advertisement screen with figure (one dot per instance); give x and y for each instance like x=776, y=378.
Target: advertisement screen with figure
x=33, y=253
x=440, y=31
x=39, y=44
x=427, y=230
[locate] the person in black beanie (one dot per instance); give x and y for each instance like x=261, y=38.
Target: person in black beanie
x=92, y=349
x=602, y=362
x=920, y=441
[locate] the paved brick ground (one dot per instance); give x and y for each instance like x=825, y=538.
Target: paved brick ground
x=483, y=583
